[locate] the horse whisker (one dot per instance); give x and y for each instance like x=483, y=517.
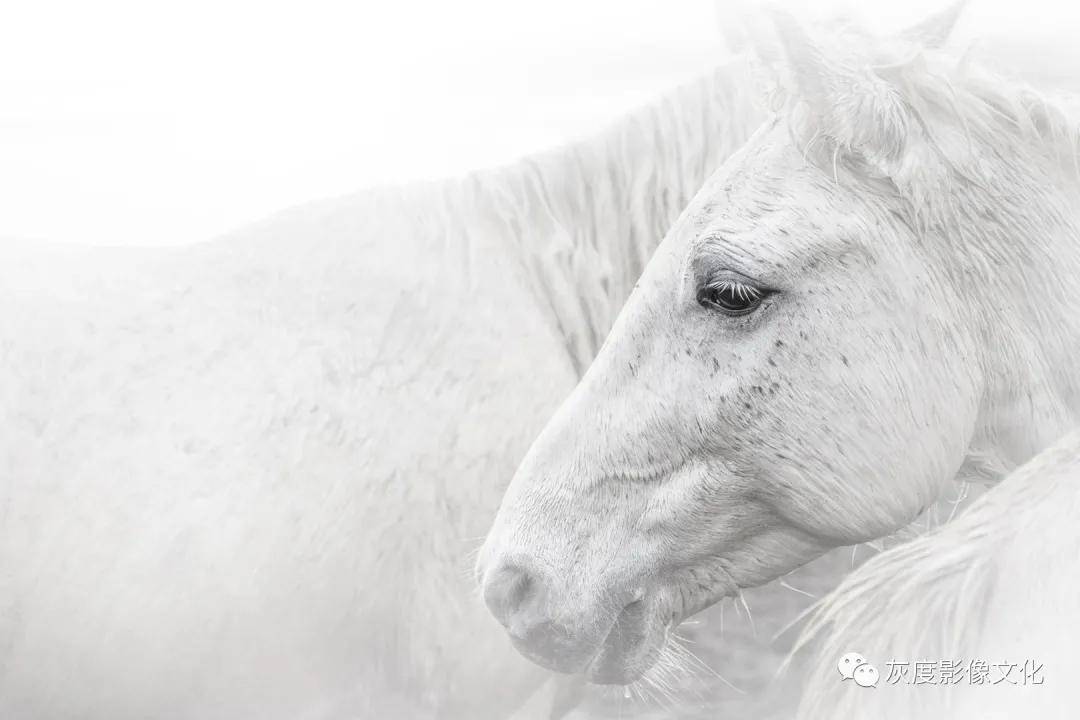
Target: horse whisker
x=753, y=628
x=698, y=662
x=783, y=583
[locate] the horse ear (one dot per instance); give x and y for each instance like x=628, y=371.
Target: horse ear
x=934, y=31
x=815, y=78
x=863, y=113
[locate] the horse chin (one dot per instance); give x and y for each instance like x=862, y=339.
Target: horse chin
x=631, y=648
x=640, y=633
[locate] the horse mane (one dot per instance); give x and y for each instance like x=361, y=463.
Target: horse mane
x=884, y=608
x=929, y=598
x=583, y=219
x=587, y=217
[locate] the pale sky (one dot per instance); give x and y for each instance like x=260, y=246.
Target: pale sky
x=142, y=122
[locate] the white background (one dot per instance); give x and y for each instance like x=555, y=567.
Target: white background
x=141, y=122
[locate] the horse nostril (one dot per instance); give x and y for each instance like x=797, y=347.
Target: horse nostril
x=506, y=591
x=543, y=623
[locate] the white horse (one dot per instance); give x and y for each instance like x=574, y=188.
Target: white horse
x=992, y=596
x=879, y=294
x=242, y=479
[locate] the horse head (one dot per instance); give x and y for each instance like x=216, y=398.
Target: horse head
x=839, y=323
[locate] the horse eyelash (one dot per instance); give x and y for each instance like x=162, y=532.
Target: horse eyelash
x=741, y=291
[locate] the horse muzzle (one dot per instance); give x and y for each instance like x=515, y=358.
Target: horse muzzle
x=614, y=642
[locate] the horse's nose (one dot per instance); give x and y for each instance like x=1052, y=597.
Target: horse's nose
x=510, y=591
x=522, y=601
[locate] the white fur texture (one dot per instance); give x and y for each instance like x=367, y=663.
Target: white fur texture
x=244, y=478
x=997, y=584
x=912, y=222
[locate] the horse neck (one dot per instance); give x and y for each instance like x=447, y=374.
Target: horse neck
x=1028, y=311
x=587, y=217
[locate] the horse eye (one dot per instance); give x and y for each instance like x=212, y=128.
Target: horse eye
x=731, y=298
